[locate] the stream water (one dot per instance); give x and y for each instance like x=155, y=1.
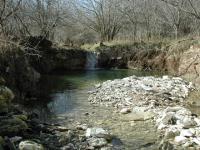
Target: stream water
x=64, y=100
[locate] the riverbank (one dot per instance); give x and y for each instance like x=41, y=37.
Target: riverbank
x=24, y=130
x=22, y=67
x=178, y=57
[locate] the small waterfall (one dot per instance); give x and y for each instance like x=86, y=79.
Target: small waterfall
x=92, y=59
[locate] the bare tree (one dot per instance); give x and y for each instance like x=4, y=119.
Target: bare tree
x=7, y=9
x=172, y=16
x=191, y=6
x=101, y=16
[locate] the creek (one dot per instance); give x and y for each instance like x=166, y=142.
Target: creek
x=64, y=100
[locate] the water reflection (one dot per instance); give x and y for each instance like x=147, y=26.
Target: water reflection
x=66, y=92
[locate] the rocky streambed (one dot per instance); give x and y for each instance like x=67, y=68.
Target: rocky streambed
x=159, y=100
x=23, y=130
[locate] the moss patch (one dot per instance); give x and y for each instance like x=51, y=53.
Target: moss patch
x=12, y=126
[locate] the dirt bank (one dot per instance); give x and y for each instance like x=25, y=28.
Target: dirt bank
x=180, y=58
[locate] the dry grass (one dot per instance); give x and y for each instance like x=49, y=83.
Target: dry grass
x=174, y=46
x=8, y=45
x=181, y=45
x=92, y=47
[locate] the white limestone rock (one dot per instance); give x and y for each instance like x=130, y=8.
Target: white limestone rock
x=180, y=139
x=97, y=132
x=186, y=133
x=125, y=111
x=30, y=145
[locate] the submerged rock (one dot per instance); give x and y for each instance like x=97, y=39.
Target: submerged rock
x=139, y=116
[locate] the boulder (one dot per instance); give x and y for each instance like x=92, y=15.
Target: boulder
x=30, y=145
x=186, y=133
x=97, y=132
x=188, y=122
x=97, y=142
x=180, y=139
x=169, y=134
x=168, y=118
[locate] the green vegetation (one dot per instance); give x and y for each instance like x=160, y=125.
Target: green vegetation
x=6, y=95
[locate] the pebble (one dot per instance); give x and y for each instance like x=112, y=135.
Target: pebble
x=82, y=127
x=62, y=129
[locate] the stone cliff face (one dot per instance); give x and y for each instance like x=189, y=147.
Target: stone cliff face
x=48, y=58
x=60, y=59
x=21, y=66
x=20, y=76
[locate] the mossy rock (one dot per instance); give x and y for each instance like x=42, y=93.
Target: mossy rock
x=2, y=81
x=2, y=143
x=22, y=117
x=12, y=126
x=6, y=95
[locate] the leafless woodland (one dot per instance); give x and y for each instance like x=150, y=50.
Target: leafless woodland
x=89, y=21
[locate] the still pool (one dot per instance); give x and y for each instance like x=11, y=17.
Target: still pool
x=64, y=100
x=66, y=91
